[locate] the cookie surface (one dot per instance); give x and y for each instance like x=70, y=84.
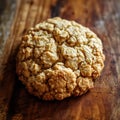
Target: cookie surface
x=59, y=58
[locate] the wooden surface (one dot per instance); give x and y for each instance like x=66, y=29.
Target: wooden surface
x=102, y=102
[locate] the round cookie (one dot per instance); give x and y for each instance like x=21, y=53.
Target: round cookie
x=59, y=58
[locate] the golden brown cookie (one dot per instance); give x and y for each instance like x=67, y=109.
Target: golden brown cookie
x=59, y=58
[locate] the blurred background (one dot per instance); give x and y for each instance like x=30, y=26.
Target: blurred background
x=7, y=12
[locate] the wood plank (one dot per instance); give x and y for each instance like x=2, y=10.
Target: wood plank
x=7, y=11
x=103, y=101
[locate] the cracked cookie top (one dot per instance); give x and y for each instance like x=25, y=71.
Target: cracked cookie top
x=59, y=58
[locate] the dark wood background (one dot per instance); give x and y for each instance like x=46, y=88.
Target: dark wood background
x=102, y=102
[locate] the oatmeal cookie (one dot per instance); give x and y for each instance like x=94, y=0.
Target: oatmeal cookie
x=59, y=58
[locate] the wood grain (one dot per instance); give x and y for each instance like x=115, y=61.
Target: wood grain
x=103, y=101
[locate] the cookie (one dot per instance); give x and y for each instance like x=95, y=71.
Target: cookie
x=59, y=58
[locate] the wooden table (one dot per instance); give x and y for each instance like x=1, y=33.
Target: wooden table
x=102, y=102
